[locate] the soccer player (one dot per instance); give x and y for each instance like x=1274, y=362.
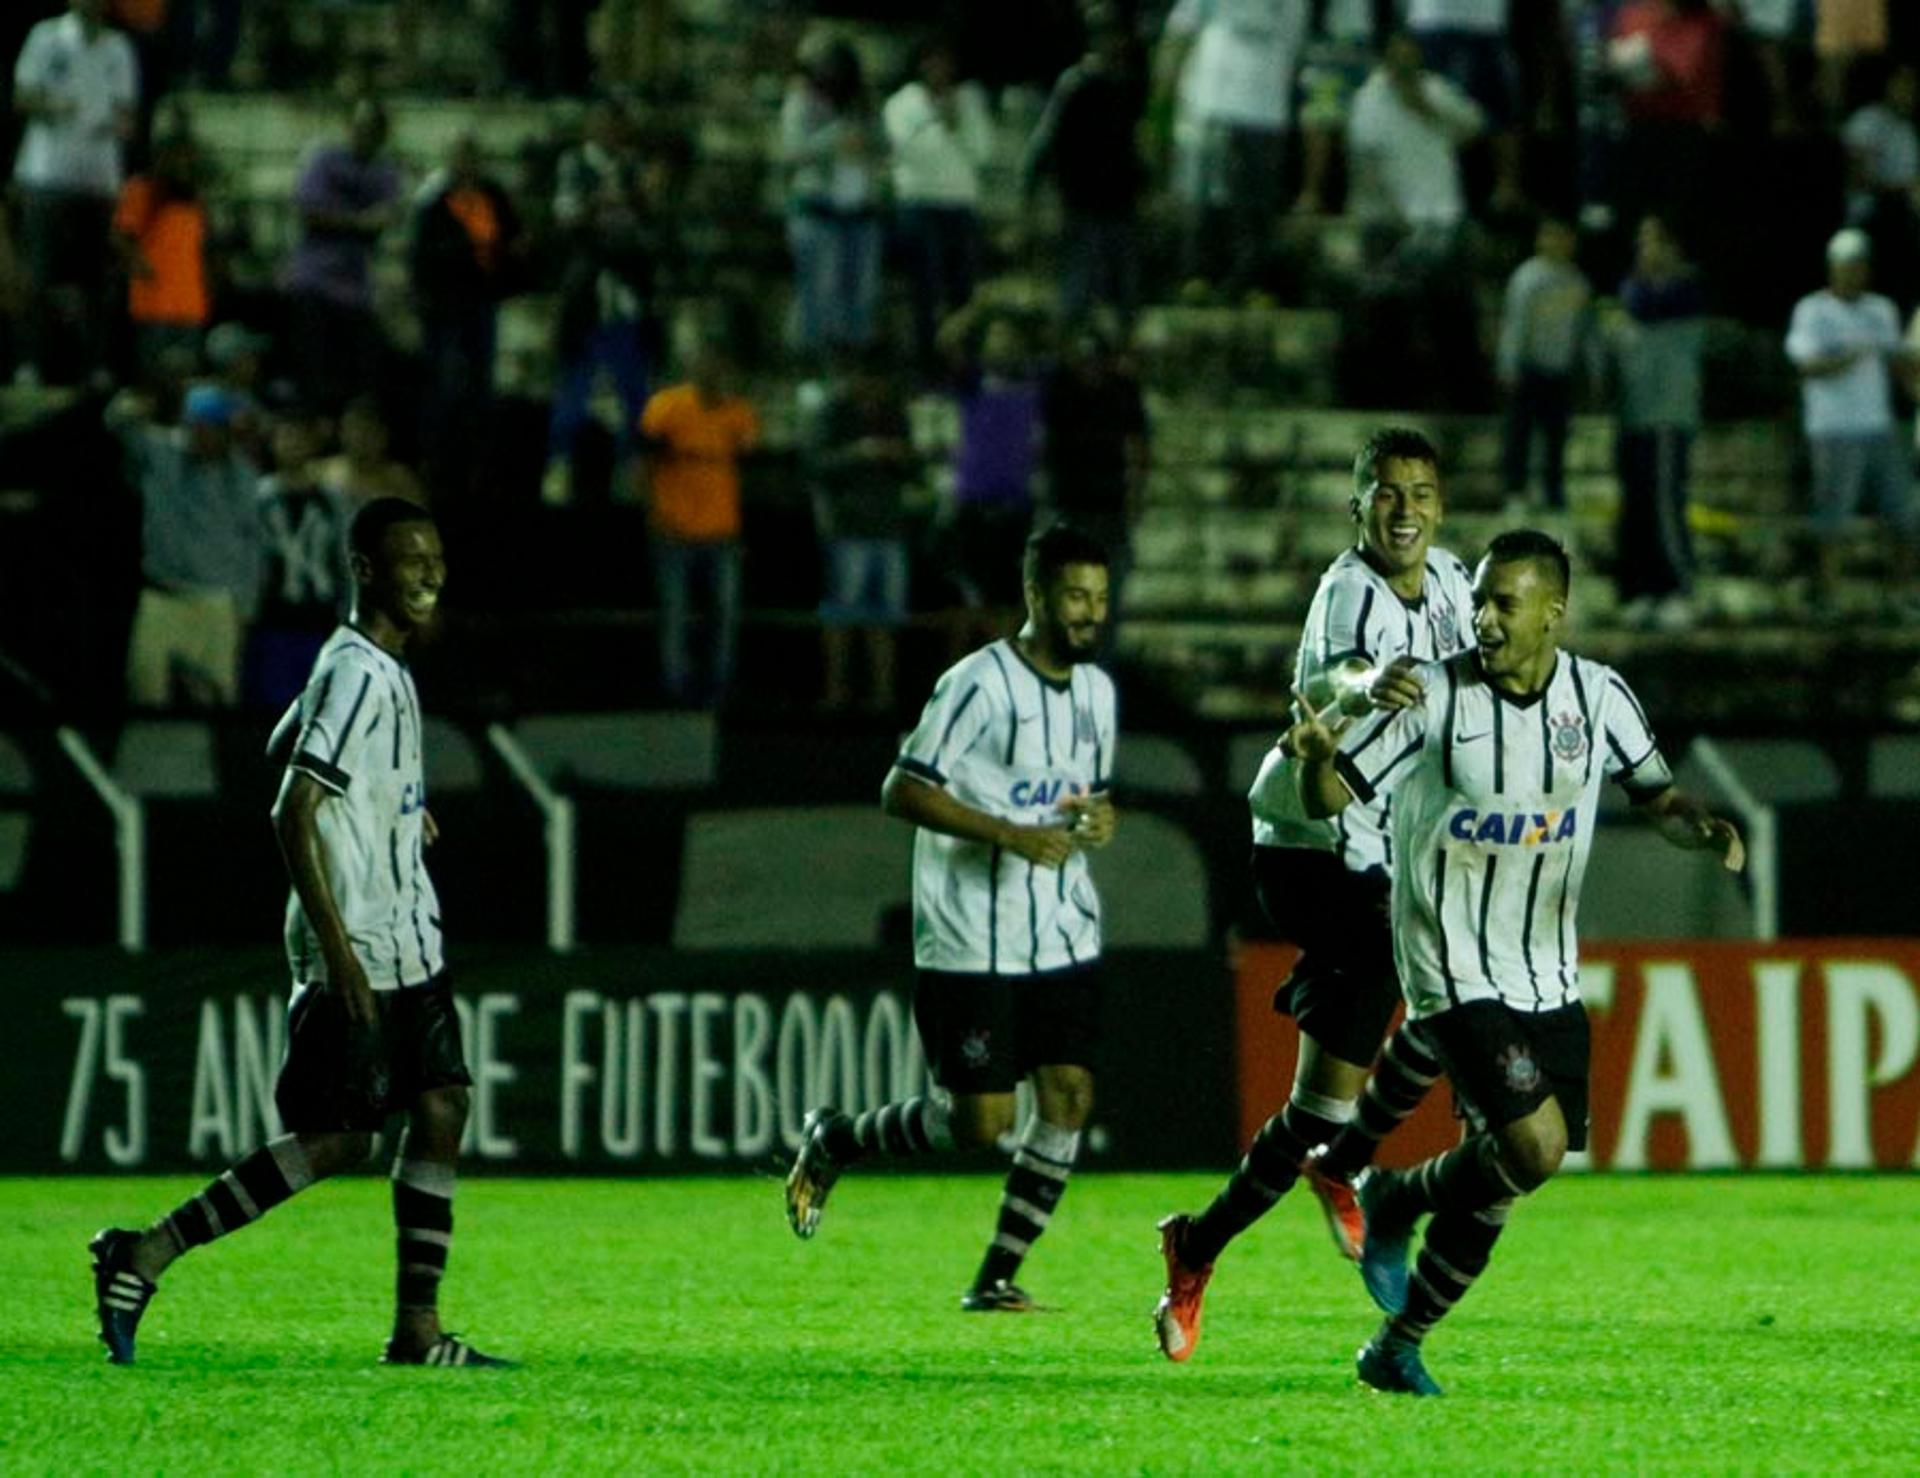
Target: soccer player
x=371, y=1027
x=1005, y=780
x=1495, y=776
x=1392, y=600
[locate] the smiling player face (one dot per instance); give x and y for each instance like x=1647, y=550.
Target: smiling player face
x=1516, y=610
x=402, y=585
x=1071, y=615
x=1398, y=517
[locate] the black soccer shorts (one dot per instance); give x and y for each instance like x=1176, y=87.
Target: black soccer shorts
x=1344, y=988
x=984, y=1033
x=1506, y=1063
x=344, y=1078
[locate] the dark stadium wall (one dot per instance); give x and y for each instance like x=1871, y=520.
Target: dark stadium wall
x=618, y=1062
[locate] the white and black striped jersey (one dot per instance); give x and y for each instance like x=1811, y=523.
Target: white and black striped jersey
x=1356, y=613
x=1495, y=803
x=358, y=734
x=1005, y=739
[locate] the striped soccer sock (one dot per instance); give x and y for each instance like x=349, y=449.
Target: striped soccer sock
x=423, y=1222
x=914, y=1126
x=1038, y=1179
x=1266, y=1172
x=1464, y=1179
x=242, y=1194
x=1407, y=1068
x=1457, y=1248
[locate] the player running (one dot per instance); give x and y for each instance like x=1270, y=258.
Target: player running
x=1495, y=777
x=1390, y=601
x=1005, y=780
x=371, y=1028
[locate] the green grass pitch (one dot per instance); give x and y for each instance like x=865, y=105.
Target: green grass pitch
x=1679, y=1325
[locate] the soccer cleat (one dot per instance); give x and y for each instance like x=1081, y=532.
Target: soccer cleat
x=1176, y=1318
x=448, y=1350
x=998, y=1297
x=1342, y=1208
x=120, y=1295
x=1394, y=1366
x=813, y=1174
x=1383, y=1250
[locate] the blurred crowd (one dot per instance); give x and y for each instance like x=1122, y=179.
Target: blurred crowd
x=1122, y=153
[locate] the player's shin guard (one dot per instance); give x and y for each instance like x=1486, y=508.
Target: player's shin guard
x=917, y=1126
x=423, y=1222
x=1266, y=1172
x=243, y=1194
x=1407, y=1068
x=1456, y=1251
x=1038, y=1179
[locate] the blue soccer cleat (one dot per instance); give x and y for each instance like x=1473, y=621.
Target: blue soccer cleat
x=1383, y=1253
x=1393, y=1366
x=120, y=1295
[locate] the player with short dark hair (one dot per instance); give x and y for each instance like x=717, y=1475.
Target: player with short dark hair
x=1392, y=600
x=371, y=1028
x=1005, y=780
x=1495, y=776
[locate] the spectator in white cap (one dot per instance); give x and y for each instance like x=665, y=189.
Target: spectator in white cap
x=1845, y=341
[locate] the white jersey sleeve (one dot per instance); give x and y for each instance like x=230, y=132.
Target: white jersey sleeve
x=955, y=716
x=338, y=712
x=1633, y=760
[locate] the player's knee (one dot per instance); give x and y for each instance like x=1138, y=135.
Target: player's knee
x=1067, y=1100
x=444, y=1109
x=979, y=1122
x=1534, y=1157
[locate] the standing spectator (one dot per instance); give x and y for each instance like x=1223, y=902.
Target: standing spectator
x=76, y=83
x=833, y=148
x=347, y=196
x=1469, y=42
x=467, y=253
x=200, y=551
x=1403, y=145
x=1658, y=345
x=1599, y=121
x=861, y=463
x=233, y=353
x=1086, y=140
x=362, y=472
x=1229, y=65
x=160, y=226
x=1883, y=180
x=696, y=434
x=1669, y=58
x=1095, y=422
x=304, y=572
x=1543, y=334
x=607, y=324
x=941, y=134
x=543, y=45
x=1846, y=33
x=994, y=463
x=1846, y=343
x=1778, y=34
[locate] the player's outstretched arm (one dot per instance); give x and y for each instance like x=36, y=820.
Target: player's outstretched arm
x=295, y=813
x=924, y=804
x=1687, y=824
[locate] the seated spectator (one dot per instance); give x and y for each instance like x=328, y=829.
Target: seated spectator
x=1846, y=343
x=834, y=151
x=861, y=465
x=361, y=470
x=1228, y=69
x=467, y=254
x=347, y=196
x=696, y=434
x=941, y=134
x=1658, y=346
x=76, y=83
x=995, y=457
x=305, y=580
x=1883, y=181
x=607, y=322
x=1094, y=420
x=200, y=551
x=1086, y=141
x=1543, y=338
x=1470, y=43
x=160, y=227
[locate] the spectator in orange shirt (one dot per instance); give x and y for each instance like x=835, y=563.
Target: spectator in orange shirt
x=696, y=434
x=160, y=226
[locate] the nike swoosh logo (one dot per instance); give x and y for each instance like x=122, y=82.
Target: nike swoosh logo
x=1471, y=738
